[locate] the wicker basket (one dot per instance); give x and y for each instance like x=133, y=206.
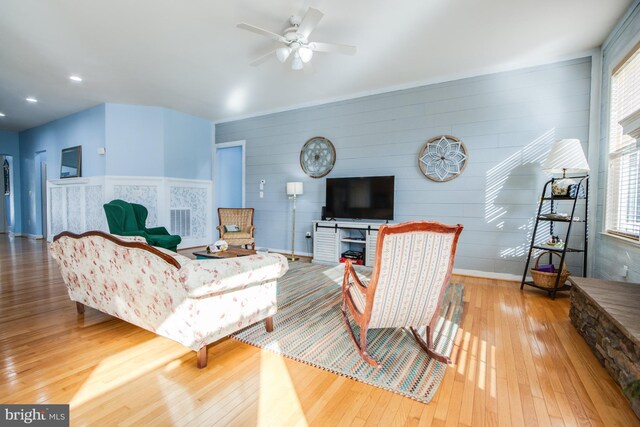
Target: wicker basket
x=548, y=280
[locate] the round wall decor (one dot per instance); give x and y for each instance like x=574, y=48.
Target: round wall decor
x=317, y=157
x=443, y=158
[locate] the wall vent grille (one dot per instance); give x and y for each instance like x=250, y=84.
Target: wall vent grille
x=181, y=222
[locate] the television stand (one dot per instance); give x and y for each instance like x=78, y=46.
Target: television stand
x=332, y=238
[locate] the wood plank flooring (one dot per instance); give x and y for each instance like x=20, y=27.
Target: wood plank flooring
x=517, y=361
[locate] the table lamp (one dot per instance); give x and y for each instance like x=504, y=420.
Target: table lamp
x=566, y=156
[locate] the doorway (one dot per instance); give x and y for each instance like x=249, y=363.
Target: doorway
x=229, y=176
x=41, y=194
x=3, y=198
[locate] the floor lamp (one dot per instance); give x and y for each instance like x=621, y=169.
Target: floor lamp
x=294, y=189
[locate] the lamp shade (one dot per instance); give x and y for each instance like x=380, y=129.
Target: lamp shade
x=294, y=188
x=566, y=156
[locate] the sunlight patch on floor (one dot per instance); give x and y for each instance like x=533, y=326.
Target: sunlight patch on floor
x=126, y=366
x=475, y=357
x=335, y=274
x=278, y=395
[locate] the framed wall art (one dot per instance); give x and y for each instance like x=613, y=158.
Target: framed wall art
x=317, y=157
x=443, y=158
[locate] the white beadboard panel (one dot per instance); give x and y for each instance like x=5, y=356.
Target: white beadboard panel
x=196, y=196
x=77, y=204
x=508, y=122
x=612, y=254
x=94, y=212
x=74, y=209
x=73, y=205
x=56, y=215
x=145, y=195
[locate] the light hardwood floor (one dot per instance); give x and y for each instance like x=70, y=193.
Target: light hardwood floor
x=518, y=361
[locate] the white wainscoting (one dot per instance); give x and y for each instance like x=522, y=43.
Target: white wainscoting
x=75, y=204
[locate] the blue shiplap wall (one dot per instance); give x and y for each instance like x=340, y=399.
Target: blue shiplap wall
x=507, y=121
x=611, y=254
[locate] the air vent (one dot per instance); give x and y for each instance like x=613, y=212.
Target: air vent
x=181, y=222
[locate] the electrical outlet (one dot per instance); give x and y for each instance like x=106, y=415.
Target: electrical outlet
x=308, y=235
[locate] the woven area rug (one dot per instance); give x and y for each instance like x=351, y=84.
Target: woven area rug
x=309, y=328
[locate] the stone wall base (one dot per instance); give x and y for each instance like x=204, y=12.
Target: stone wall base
x=619, y=355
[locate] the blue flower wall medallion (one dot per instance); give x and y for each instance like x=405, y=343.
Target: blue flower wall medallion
x=443, y=158
x=317, y=157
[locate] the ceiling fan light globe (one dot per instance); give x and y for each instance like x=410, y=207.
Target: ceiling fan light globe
x=282, y=53
x=305, y=54
x=296, y=63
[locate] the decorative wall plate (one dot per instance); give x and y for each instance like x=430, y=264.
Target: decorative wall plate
x=443, y=158
x=317, y=157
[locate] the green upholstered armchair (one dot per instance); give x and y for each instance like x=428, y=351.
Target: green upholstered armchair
x=129, y=219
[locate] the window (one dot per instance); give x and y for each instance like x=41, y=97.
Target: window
x=623, y=184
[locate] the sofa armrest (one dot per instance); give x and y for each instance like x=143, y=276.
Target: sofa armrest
x=157, y=231
x=211, y=277
x=136, y=238
x=132, y=234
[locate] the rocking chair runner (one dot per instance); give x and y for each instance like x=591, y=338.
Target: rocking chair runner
x=412, y=268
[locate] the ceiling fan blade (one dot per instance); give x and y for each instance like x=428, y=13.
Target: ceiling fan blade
x=265, y=56
x=333, y=48
x=309, y=22
x=262, y=32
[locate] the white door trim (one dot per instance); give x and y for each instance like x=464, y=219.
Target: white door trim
x=240, y=143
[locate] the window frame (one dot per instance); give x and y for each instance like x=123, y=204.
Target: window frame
x=631, y=49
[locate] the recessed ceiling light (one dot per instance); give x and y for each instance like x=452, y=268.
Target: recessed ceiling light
x=31, y=99
x=75, y=78
x=2, y=114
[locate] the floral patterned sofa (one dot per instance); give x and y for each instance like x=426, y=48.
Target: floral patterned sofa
x=192, y=302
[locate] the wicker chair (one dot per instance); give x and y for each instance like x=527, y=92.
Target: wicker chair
x=412, y=268
x=243, y=218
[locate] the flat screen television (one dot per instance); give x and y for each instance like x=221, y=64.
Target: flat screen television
x=360, y=198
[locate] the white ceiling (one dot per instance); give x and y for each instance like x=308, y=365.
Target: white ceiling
x=189, y=55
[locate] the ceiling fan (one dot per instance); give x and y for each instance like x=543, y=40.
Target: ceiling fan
x=294, y=42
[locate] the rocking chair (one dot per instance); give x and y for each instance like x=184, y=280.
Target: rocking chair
x=412, y=269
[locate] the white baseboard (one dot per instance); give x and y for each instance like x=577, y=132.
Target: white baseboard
x=27, y=235
x=287, y=251
x=489, y=274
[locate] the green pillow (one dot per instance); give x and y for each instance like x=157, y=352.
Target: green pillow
x=231, y=228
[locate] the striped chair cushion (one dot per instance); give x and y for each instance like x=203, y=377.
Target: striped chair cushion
x=413, y=267
x=359, y=299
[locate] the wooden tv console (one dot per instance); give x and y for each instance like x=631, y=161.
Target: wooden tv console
x=332, y=238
